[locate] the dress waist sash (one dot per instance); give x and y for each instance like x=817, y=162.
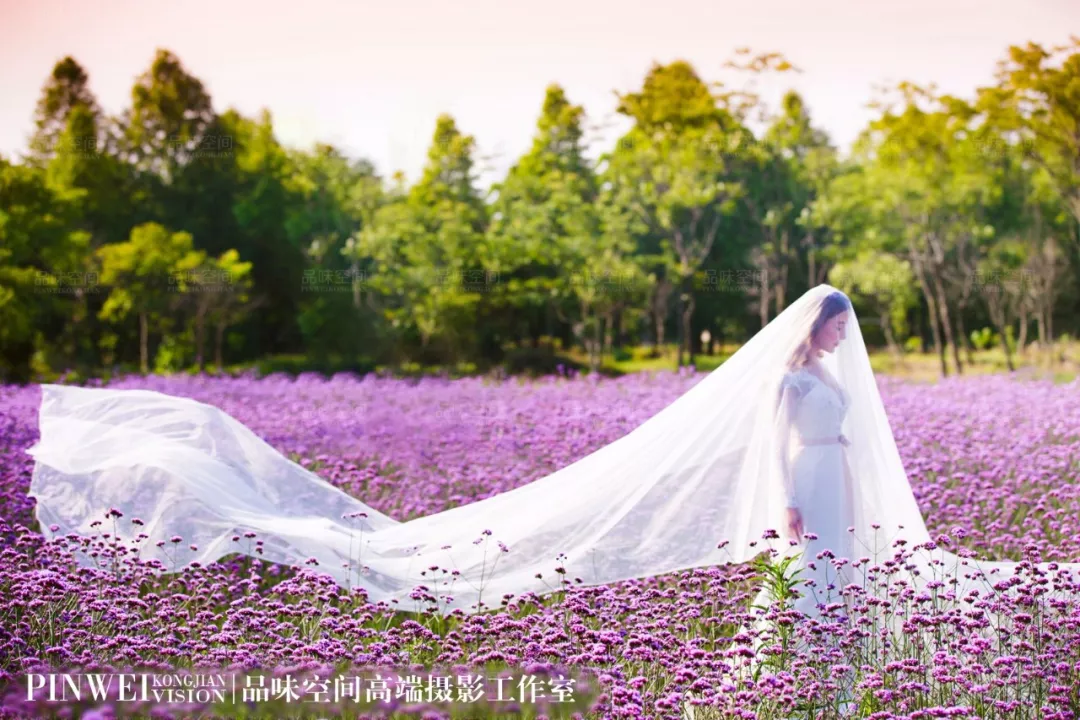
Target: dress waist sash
x=841, y=439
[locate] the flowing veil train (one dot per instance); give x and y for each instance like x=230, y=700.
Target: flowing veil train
x=662, y=498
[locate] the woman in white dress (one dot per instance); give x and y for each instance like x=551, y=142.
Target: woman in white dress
x=817, y=480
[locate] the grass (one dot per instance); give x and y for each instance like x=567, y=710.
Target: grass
x=917, y=366
x=1062, y=365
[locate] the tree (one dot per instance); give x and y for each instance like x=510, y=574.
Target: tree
x=927, y=181
x=1035, y=108
x=671, y=171
x=143, y=274
x=1034, y=220
x=1004, y=287
x=92, y=180
x=545, y=224
x=218, y=293
x=1037, y=105
x=40, y=267
x=807, y=161
x=782, y=173
x=336, y=196
x=428, y=248
x=264, y=201
x=67, y=88
x=169, y=118
x=884, y=282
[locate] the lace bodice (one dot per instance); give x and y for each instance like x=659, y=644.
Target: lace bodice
x=810, y=411
x=819, y=407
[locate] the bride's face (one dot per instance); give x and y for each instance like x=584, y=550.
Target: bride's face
x=832, y=332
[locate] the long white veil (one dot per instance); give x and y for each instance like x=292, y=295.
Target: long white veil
x=697, y=484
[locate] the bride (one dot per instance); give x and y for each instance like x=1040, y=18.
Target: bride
x=785, y=446
x=811, y=445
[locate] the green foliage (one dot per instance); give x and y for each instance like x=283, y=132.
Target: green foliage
x=426, y=247
x=538, y=361
x=66, y=91
x=174, y=236
x=145, y=274
x=782, y=585
x=1036, y=103
x=984, y=338
x=170, y=116
x=883, y=282
x=40, y=254
x=173, y=354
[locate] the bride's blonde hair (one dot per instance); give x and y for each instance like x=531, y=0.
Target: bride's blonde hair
x=831, y=305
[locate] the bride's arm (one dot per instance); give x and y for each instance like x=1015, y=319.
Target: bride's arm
x=789, y=396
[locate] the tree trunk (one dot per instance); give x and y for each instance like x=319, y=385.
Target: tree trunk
x=1008, y=351
x=922, y=329
x=609, y=332
x=1021, y=337
x=219, y=342
x=658, y=306
x=763, y=304
x=999, y=317
x=680, y=340
x=931, y=306
x=597, y=343
x=969, y=351
x=890, y=340
x=356, y=284
x=946, y=320
x=1050, y=329
x=200, y=341
x=658, y=332
x=688, y=311
x=144, y=343
x=782, y=271
x=1044, y=351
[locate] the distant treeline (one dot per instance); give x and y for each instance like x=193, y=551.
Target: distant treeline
x=176, y=236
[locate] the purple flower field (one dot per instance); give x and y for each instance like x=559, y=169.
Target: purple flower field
x=994, y=462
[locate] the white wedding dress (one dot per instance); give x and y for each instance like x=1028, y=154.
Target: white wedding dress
x=703, y=482
x=821, y=486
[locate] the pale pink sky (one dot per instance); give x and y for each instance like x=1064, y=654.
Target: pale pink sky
x=372, y=76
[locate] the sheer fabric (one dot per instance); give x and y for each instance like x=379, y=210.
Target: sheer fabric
x=700, y=483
